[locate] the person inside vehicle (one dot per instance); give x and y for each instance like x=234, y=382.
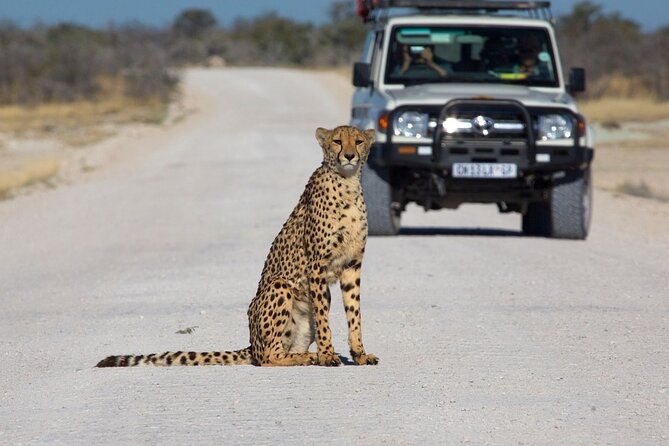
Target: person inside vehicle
x=426, y=57
x=529, y=48
x=494, y=56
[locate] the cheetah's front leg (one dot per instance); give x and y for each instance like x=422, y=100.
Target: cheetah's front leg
x=320, y=296
x=350, y=291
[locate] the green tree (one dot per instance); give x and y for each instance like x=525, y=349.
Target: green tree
x=344, y=35
x=580, y=20
x=194, y=23
x=275, y=39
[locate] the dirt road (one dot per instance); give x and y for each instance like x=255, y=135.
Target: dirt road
x=484, y=336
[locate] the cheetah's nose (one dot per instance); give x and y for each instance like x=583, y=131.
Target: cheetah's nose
x=349, y=156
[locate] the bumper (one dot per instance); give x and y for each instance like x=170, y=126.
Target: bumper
x=427, y=179
x=543, y=159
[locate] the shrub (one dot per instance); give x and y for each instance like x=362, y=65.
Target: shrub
x=66, y=62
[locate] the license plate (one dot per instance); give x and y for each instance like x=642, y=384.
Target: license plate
x=485, y=170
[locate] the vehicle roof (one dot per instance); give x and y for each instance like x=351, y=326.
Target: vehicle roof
x=425, y=19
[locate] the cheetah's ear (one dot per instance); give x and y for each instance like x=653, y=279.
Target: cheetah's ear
x=323, y=135
x=370, y=134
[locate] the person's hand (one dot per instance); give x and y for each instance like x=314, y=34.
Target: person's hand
x=427, y=55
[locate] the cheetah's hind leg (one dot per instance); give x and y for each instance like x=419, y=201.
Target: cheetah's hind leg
x=277, y=328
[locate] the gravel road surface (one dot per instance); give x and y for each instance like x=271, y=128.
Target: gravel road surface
x=484, y=336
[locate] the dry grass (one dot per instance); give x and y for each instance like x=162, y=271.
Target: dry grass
x=79, y=123
x=30, y=171
x=64, y=120
x=616, y=110
x=73, y=123
x=623, y=99
x=620, y=86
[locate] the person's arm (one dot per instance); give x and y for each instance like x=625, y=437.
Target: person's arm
x=406, y=60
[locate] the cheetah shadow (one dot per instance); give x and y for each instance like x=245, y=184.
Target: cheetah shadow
x=459, y=232
x=346, y=361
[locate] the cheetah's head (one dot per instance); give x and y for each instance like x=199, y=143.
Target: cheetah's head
x=345, y=148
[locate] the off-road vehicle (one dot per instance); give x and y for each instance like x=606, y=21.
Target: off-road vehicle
x=470, y=105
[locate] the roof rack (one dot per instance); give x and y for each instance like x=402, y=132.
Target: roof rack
x=371, y=10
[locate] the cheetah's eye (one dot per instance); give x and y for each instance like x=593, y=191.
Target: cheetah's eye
x=358, y=142
x=337, y=141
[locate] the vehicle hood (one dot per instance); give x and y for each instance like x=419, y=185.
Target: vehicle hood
x=438, y=94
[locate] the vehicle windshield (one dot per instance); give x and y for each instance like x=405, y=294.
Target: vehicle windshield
x=473, y=54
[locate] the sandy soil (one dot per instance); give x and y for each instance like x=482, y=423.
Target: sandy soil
x=635, y=154
x=485, y=336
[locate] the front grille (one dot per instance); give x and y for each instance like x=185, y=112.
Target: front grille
x=484, y=131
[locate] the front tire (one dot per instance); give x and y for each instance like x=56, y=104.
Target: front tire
x=567, y=212
x=382, y=217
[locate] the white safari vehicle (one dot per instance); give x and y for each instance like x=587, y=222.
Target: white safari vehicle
x=470, y=105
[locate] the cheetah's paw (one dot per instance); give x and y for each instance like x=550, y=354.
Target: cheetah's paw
x=329, y=360
x=365, y=359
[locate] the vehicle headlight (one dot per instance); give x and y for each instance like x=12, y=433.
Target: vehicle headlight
x=552, y=127
x=411, y=124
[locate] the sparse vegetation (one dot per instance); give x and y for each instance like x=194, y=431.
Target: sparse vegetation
x=187, y=330
x=26, y=172
x=614, y=110
x=54, y=118
x=621, y=60
x=68, y=63
x=640, y=189
x=65, y=80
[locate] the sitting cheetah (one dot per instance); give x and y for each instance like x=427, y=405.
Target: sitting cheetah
x=322, y=241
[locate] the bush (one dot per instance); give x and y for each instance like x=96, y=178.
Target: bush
x=620, y=59
x=69, y=62
x=194, y=23
x=271, y=40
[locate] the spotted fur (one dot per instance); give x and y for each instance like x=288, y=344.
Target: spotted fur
x=323, y=241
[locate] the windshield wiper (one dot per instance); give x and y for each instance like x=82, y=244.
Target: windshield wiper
x=413, y=82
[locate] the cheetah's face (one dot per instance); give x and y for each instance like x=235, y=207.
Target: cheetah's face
x=345, y=148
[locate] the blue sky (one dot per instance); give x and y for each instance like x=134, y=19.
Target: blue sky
x=651, y=14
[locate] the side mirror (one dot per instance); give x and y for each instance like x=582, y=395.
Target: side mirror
x=361, y=74
x=576, y=80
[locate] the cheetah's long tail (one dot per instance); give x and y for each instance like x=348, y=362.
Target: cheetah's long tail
x=235, y=357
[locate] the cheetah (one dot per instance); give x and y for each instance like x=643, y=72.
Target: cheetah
x=323, y=241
